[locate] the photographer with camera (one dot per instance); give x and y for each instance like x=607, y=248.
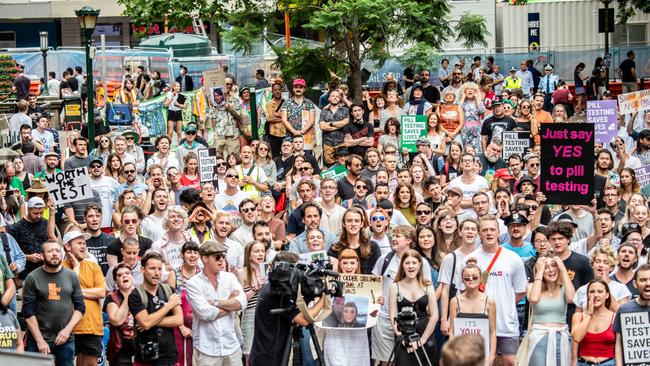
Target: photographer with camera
x=272, y=329
x=157, y=312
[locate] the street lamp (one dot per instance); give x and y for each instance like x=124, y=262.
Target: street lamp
x=87, y=17
x=44, y=46
x=607, y=56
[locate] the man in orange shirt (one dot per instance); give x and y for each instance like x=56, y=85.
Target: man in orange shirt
x=541, y=116
x=89, y=331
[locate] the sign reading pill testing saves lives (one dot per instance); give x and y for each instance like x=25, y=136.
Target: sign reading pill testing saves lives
x=567, y=163
x=635, y=336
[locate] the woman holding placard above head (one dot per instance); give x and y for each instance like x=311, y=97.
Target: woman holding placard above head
x=592, y=328
x=478, y=311
x=252, y=277
x=411, y=294
x=548, y=333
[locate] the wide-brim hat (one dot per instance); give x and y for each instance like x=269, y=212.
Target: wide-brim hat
x=37, y=186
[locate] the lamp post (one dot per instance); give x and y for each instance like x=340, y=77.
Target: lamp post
x=607, y=56
x=44, y=45
x=87, y=17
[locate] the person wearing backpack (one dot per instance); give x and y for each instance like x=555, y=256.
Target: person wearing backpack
x=157, y=311
x=121, y=343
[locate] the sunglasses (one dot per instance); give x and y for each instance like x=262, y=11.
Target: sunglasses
x=190, y=133
x=378, y=218
x=129, y=171
x=219, y=256
x=105, y=141
x=361, y=187
x=231, y=176
x=457, y=73
x=130, y=221
x=95, y=166
x=248, y=209
x=423, y=212
x=172, y=174
x=633, y=226
x=130, y=138
x=221, y=164
x=263, y=149
x=534, y=164
x=304, y=168
x=525, y=107
x=472, y=278
x=532, y=207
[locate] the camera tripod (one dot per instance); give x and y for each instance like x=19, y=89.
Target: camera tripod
x=410, y=338
x=293, y=342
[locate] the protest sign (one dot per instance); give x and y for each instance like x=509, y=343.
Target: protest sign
x=635, y=334
x=567, y=169
x=314, y=257
x=514, y=143
x=410, y=130
x=208, y=165
x=643, y=175
x=215, y=77
x=358, y=307
x=603, y=114
x=479, y=324
x=634, y=102
x=69, y=186
x=335, y=173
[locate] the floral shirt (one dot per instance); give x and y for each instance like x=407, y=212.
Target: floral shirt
x=298, y=117
x=226, y=124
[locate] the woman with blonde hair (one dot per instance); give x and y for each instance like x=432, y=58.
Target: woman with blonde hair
x=452, y=117
x=410, y=290
x=548, y=295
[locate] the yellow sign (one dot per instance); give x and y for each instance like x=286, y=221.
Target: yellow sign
x=73, y=110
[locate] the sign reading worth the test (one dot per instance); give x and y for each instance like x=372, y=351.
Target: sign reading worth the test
x=635, y=334
x=411, y=129
x=358, y=307
x=567, y=169
x=603, y=114
x=208, y=164
x=514, y=143
x=69, y=186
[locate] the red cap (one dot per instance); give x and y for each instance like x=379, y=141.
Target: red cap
x=503, y=173
x=300, y=82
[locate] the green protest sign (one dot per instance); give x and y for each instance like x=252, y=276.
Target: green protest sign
x=411, y=129
x=336, y=172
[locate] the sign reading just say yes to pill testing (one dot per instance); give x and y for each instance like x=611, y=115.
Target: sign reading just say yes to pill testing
x=603, y=114
x=567, y=163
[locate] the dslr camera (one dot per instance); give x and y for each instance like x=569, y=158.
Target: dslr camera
x=148, y=347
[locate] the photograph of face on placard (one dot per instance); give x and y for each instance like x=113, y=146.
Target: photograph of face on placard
x=348, y=312
x=217, y=96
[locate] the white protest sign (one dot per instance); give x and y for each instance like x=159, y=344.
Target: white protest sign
x=514, y=143
x=69, y=186
x=358, y=307
x=208, y=164
x=480, y=326
x=635, y=334
x=634, y=102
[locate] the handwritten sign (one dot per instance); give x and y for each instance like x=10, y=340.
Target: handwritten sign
x=474, y=325
x=69, y=186
x=208, y=165
x=634, y=102
x=635, y=334
x=358, y=307
x=411, y=129
x=335, y=173
x=215, y=77
x=567, y=170
x=514, y=143
x=602, y=113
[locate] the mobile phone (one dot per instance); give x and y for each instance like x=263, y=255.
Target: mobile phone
x=10, y=192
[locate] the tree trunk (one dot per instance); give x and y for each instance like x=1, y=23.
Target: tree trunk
x=354, y=61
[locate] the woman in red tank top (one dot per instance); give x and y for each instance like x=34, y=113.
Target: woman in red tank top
x=592, y=329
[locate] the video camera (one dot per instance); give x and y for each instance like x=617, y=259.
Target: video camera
x=286, y=277
x=407, y=321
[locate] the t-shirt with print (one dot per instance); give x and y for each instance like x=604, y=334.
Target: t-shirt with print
x=9, y=328
x=506, y=278
x=298, y=117
x=580, y=273
x=628, y=307
x=493, y=126
x=469, y=190
x=358, y=131
x=106, y=187
x=97, y=246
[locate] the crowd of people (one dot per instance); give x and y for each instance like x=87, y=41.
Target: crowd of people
x=178, y=268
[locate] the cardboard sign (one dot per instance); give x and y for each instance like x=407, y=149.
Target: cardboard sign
x=69, y=186
x=335, y=173
x=643, y=175
x=602, y=113
x=634, y=102
x=514, y=143
x=358, y=307
x=567, y=169
x=215, y=77
x=480, y=326
x=208, y=165
x=410, y=130
x=635, y=334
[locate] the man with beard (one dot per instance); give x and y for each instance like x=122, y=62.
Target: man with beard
x=456, y=82
x=311, y=219
x=230, y=197
x=359, y=134
x=98, y=241
x=151, y=225
x=106, y=187
x=275, y=129
x=604, y=164
x=333, y=118
x=497, y=123
x=491, y=159
x=306, y=189
x=605, y=236
x=51, y=160
x=299, y=115
x=157, y=312
x=640, y=305
x=262, y=233
x=252, y=179
x=430, y=92
x=628, y=258
x=53, y=304
x=235, y=252
x=248, y=212
x=373, y=164
x=78, y=160
x=515, y=165
x=89, y=330
x=345, y=185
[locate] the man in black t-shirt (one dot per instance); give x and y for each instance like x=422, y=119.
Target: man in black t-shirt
x=494, y=125
x=159, y=316
x=408, y=76
x=429, y=92
x=345, y=185
x=21, y=85
x=359, y=134
x=627, y=72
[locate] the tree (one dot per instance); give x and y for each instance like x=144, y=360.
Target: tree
x=356, y=31
x=175, y=12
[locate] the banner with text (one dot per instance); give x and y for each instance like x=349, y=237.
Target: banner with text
x=635, y=101
x=643, y=175
x=474, y=325
x=358, y=307
x=602, y=113
x=208, y=164
x=69, y=186
x=567, y=169
x=335, y=173
x=635, y=334
x=515, y=143
x=411, y=129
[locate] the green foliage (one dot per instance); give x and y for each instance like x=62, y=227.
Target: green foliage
x=421, y=56
x=177, y=12
x=323, y=64
x=472, y=30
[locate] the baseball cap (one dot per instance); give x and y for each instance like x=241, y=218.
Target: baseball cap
x=211, y=247
x=503, y=173
x=423, y=141
x=36, y=202
x=548, y=67
x=95, y=159
x=512, y=69
x=74, y=234
x=191, y=127
x=300, y=82
x=455, y=190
